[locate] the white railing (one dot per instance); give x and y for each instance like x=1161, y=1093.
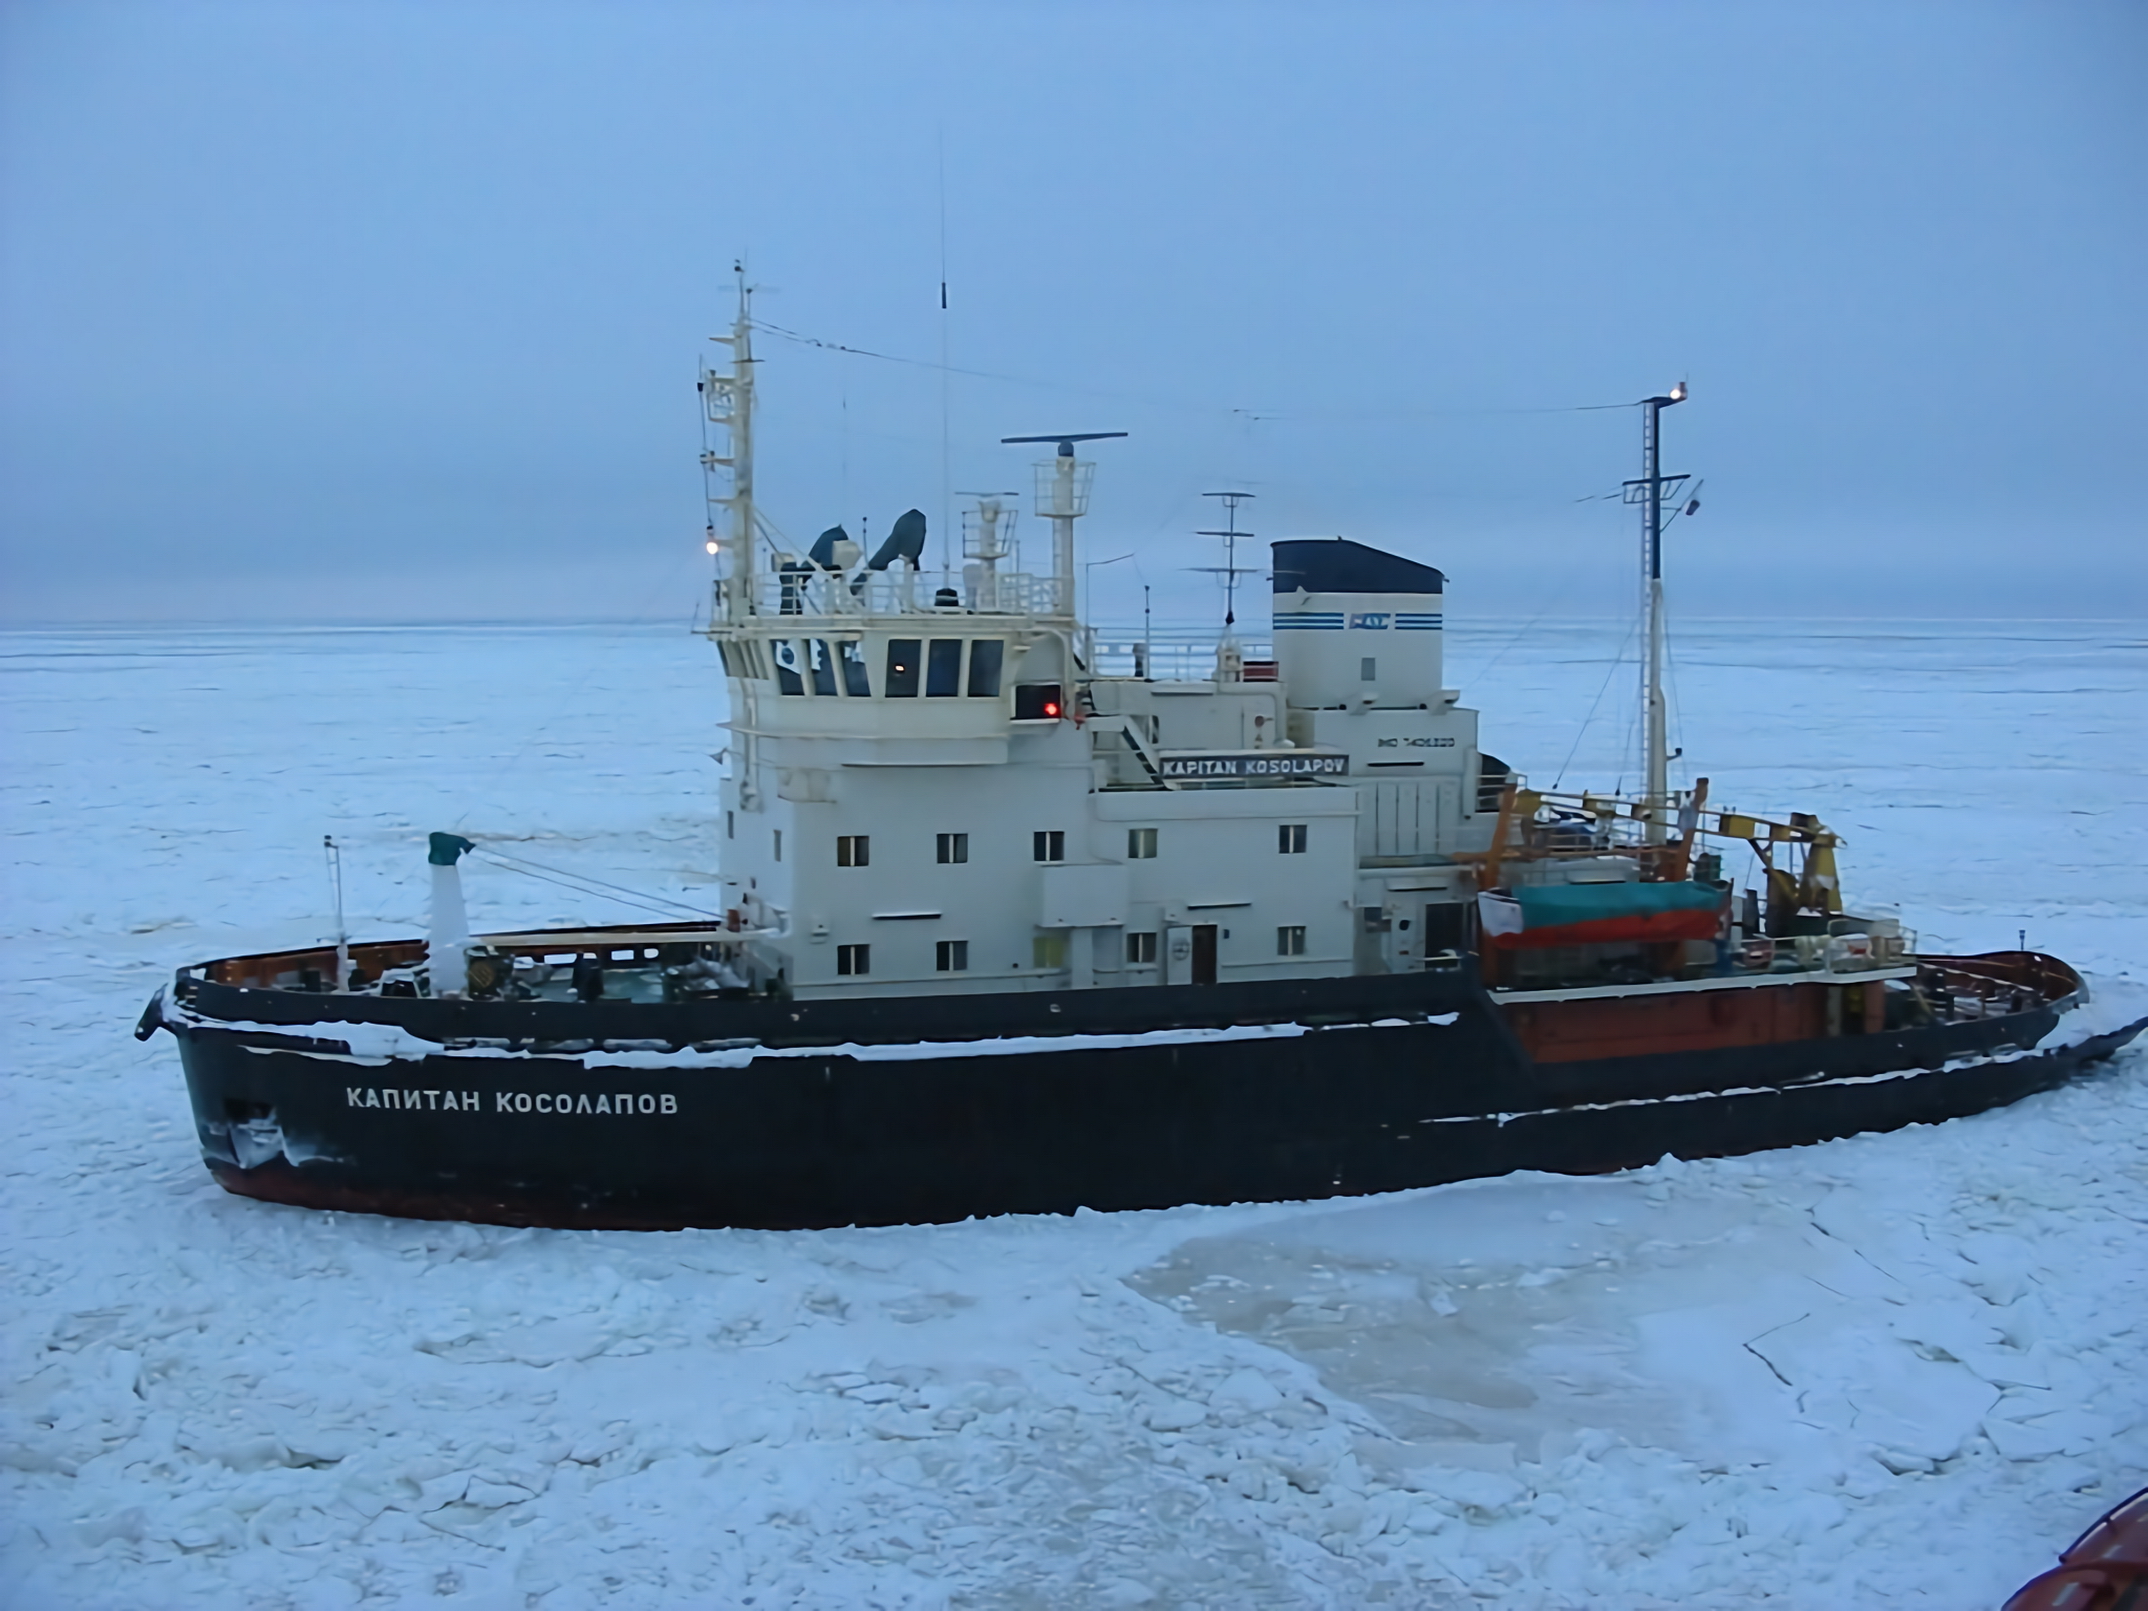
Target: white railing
x=1176, y=653
x=896, y=591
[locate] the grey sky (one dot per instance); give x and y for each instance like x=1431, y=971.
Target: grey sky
x=393, y=311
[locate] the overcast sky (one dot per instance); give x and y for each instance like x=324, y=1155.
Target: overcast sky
x=394, y=311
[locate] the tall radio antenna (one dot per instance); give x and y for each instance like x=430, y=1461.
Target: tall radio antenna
x=946, y=501
x=1230, y=535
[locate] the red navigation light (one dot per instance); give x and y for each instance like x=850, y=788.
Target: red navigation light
x=1039, y=701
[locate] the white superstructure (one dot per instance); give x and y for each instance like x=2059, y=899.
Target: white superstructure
x=932, y=787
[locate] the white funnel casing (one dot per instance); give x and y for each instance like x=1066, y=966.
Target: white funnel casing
x=1355, y=626
x=447, y=959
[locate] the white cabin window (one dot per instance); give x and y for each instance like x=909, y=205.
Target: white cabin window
x=1140, y=948
x=1290, y=940
x=1048, y=951
x=952, y=849
x=951, y=956
x=1048, y=845
x=853, y=959
x=1290, y=838
x=730, y=825
x=1140, y=844
x=779, y=844
x=1368, y=670
x=853, y=850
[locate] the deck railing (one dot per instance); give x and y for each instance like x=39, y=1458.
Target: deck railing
x=810, y=590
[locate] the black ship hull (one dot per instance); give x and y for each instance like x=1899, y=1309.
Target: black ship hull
x=1141, y=1099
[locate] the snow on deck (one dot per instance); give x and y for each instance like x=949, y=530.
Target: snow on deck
x=1893, y=1370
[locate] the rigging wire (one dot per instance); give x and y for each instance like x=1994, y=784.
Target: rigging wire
x=1674, y=717
x=1629, y=736
x=617, y=899
x=1674, y=714
x=523, y=863
x=1566, y=585
x=666, y=580
x=598, y=886
x=1152, y=399
x=1617, y=659
x=1479, y=674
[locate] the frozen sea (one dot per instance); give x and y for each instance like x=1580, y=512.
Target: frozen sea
x=1897, y=1370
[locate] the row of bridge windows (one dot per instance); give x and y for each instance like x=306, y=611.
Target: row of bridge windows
x=938, y=668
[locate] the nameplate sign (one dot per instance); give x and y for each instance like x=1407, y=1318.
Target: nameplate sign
x=1216, y=766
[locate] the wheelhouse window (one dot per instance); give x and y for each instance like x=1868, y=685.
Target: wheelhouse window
x=985, y=657
x=855, y=682
x=943, y=668
x=1140, y=948
x=951, y=956
x=853, y=850
x=853, y=959
x=951, y=848
x=787, y=679
x=1140, y=844
x=1290, y=940
x=1290, y=838
x=904, y=655
x=823, y=664
x=1048, y=845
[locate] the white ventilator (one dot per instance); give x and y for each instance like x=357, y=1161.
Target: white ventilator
x=447, y=959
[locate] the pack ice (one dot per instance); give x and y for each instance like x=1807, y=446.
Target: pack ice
x=1897, y=1369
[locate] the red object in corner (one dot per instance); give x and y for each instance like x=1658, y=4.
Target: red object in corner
x=2106, y=1569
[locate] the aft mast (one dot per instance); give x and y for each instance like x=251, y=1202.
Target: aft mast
x=1648, y=493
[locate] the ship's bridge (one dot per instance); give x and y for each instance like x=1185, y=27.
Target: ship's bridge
x=876, y=660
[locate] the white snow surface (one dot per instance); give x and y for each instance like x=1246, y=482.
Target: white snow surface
x=384, y=1043
x=1897, y=1370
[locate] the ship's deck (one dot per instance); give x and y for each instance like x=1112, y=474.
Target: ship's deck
x=629, y=966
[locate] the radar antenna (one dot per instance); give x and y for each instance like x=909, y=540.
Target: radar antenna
x=1063, y=498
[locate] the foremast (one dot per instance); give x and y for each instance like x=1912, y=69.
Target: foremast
x=727, y=395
